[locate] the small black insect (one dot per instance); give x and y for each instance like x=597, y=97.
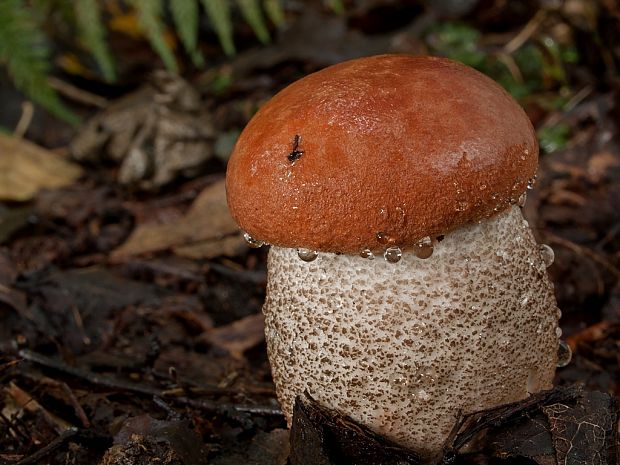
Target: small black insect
x=296, y=153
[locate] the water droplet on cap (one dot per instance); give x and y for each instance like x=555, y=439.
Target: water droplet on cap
x=393, y=254
x=547, y=254
x=399, y=379
x=558, y=332
x=307, y=255
x=424, y=248
x=254, y=243
x=367, y=253
x=565, y=354
x=382, y=238
x=461, y=206
x=531, y=182
x=422, y=395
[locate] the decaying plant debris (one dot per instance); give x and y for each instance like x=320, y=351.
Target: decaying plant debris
x=130, y=326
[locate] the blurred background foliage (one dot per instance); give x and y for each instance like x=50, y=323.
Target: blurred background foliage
x=530, y=54
x=28, y=28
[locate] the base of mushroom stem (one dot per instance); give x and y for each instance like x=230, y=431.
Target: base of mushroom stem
x=471, y=327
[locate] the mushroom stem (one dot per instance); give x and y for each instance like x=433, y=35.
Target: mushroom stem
x=403, y=347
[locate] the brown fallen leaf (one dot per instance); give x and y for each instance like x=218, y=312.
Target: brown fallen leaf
x=26, y=168
x=586, y=432
x=207, y=225
x=265, y=449
x=322, y=436
x=600, y=165
x=238, y=336
x=157, y=133
x=28, y=403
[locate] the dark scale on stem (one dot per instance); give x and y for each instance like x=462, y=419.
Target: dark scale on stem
x=296, y=153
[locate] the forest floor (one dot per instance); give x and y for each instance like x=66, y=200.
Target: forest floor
x=130, y=324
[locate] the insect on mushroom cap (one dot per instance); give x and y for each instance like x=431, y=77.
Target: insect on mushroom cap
x=389, y=148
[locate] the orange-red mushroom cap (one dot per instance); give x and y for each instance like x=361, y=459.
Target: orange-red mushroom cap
x=390, y=148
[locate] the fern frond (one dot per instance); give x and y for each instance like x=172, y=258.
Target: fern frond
x=251, y=11
x=24, y=52
x=274, y=11
x=336, y=5
x=219, y=14
x=185, y=16
x=150, y=18
x=93, y=34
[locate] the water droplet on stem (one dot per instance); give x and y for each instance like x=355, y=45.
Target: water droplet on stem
x=547, y=254
x=367, y=253
x=307, y=255
x=254, y=243
x=424, y=248
x=565, y=354
x=393, y=254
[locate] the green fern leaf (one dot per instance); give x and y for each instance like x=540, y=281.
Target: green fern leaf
x=24, y=52
x=251, y=11
x=219, y=14
x=336, y=5
x=274, y=10
x=150, y=18
x=94, y=35
x=185, y=16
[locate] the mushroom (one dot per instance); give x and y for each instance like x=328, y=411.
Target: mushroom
x=404, y=284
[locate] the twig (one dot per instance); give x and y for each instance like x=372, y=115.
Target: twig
x=24, y=120
x=30, y=404
x=202, y=404
x=172, y=413
x=77, y=94
x=524, y=34
x=79, y=411
x=49, y=448
x=557, y=116
x=8, y=365
x=13, y=426
x=512, y=66
x=580, y=250
x=119, y=384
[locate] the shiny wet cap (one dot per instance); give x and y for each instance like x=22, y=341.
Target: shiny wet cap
x=380, y=150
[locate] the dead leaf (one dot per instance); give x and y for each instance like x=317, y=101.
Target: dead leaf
x=76, y=305
x=321, y=436
x=207, y=225
x=586, y=432
x=26, y=168
x=28, y=403
x=265, y=449
x=157, y=133
x=600, y=164
x=238, y=336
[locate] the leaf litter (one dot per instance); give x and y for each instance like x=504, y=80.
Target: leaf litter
x=130, y=327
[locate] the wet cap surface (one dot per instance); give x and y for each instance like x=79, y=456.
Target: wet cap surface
x=384, y=149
